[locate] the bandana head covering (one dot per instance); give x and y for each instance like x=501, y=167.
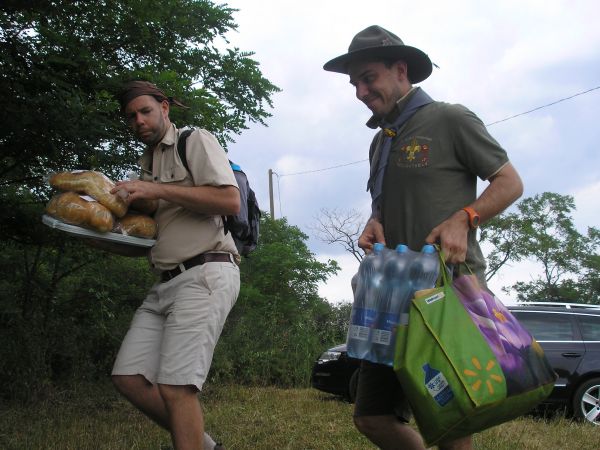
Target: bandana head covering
x=134, y=89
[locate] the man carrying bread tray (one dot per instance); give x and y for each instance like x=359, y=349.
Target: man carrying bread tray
x=166, y=355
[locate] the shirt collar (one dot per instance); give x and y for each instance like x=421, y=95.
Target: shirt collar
x=169, y=138
x=376, y=121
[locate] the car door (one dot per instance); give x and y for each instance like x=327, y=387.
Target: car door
x=590, y=330
x=559, y=336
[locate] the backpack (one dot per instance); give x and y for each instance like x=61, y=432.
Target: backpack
x=244, y=227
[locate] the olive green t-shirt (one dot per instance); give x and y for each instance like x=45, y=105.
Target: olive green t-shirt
x=432, y=172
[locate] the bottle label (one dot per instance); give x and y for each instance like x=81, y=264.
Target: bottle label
x=439, y=389
x=358, y=316
x=384, y=334
x=361, y=322
x=382, y=337
x=358, y=332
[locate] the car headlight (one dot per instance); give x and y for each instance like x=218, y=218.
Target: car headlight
x=329, y=356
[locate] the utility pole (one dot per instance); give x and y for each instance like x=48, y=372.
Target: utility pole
x=271, y=193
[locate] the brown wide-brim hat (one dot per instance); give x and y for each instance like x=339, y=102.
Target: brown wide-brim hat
x=376, y=43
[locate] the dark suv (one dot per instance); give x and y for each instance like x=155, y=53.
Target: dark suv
x=569, y=333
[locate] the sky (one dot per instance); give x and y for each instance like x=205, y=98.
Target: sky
x=499, y=59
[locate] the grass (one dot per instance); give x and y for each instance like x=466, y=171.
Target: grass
x=96, y=418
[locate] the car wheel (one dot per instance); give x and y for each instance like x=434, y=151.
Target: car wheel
x=586, y=402
x=353, y=386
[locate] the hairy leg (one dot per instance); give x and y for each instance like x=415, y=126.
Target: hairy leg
x=175, y=408
x=144, y=395
x=186, y=420
x=388, y=433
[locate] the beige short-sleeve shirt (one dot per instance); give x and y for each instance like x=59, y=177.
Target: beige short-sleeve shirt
x=183, y=234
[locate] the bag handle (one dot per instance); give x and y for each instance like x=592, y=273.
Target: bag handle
x=444, y=278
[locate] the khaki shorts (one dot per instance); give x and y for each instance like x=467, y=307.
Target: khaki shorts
x=379, y=393
x=173, y=333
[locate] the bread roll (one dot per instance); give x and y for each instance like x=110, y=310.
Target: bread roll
x=69, y=207
x=94, y=184
x=139, y=225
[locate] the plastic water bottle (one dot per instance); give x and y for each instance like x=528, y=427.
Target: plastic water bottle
x=425, y=268
x=395, y=291
x=364, y=306
x=437, y=385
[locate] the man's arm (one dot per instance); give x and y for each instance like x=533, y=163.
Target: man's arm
x=504, y=188
x=212, y=200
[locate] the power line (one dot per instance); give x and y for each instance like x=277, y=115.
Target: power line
x=487, y=125
x=321, y=170
x=543, y=106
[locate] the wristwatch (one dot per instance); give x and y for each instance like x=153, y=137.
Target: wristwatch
x=473, y=217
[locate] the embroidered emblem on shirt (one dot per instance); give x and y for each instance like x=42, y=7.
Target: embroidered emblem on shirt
x=414, y=154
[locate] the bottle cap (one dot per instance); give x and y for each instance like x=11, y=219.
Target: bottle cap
x=401, y=248
x=429, y=249
x=378, y=247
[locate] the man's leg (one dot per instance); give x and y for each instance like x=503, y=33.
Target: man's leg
x=389, y=433
x=148, y=398
x=145, y=396
x=381, y=411
x=186, y=421
x=465, y=443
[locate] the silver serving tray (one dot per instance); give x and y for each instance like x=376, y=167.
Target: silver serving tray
x=86, y=233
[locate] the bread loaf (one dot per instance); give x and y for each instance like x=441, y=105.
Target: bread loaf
x=70, y=207
x=139, y=225
x=94, y=184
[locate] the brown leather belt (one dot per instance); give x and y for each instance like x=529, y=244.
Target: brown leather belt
x=192, y=262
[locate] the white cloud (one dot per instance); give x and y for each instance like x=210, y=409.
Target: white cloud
x=338, y=288
x=497, y=58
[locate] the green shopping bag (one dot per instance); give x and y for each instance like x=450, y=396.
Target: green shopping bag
x=465, y=363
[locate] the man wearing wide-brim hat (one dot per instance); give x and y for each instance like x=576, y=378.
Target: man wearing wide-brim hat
x=425, y=160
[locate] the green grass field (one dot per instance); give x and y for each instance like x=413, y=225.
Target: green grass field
x=96, y=418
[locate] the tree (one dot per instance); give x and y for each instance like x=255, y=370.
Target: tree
x=279, y=324
x=503, y=232
x=543, y=231
x=62, y=63
x=341, y=227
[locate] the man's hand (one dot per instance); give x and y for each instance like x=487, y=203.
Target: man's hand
x=451, y=234
x=137, y=189
x=372, y=234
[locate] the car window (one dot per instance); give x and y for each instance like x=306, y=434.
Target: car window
x=590, y=327
x=547, y=327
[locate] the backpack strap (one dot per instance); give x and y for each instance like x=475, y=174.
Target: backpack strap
x=181, y=150
x=181, y=147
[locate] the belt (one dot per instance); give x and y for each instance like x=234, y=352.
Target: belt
x=192, y=262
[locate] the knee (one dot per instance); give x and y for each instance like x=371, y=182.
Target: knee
x=366, y=425
x=173, y=394
x=126, y=384
x=119, y=382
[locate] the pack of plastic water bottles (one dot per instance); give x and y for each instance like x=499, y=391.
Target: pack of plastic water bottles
x=385, y=284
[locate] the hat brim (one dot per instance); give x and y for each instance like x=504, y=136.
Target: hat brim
x=419, y=64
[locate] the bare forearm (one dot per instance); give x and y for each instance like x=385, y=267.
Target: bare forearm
x=504, y=188
x=211, y=200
